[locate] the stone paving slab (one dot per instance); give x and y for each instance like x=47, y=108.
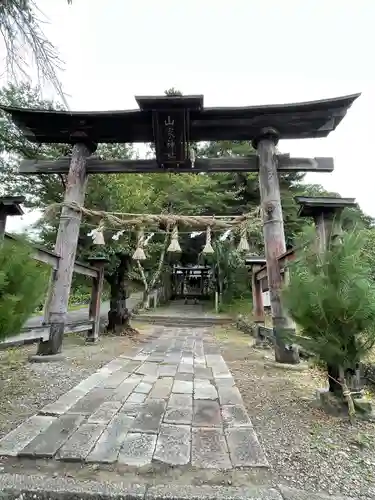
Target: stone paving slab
x=150, y=417
x=114, y=380
x=108, y=446
x=173, y=444
x=179, y=415
x=105, y=412
x=137, y=449
x=203, y=389
x=244, y=447
x=235, y=415
x=171, y=401
x=64, y=403
x=162, y=388
x=47, y=443
x=207, y=413
x=209, y=449
x=183, y=387
x=180, y=401
x=21, y=436
x=81, y=442
x=91, y=402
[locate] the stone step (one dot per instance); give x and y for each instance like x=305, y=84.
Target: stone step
x=39, y=487
x=182, y=321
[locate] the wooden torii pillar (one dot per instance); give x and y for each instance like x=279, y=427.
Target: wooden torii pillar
x=66, y=247
x=9, y=206
x=274, y=237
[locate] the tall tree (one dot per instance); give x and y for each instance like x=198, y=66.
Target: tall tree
x=21, y=29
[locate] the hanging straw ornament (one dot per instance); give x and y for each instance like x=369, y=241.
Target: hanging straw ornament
x=174, y=246
x=148, y=239
x=139, y=253
x=98, y=236
x=192, y=157
x=117, y=235
x=243, y=245
x=208, y=247
x=225, y=235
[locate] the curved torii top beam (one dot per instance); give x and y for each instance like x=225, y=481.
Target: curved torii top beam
x=292, y=121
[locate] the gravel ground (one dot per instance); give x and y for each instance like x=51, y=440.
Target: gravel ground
x=26, y=387
x=306, y=448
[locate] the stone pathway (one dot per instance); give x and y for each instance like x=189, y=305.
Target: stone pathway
x=173, y=401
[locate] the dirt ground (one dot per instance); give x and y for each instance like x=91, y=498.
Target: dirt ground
x=306, y=448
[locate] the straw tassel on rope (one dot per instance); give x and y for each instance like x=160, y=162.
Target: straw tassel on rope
x=208, y=247
x=139, y=253
x=243, y=245
x=174, y=246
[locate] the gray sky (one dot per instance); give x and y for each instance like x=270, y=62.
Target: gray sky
x=236, y=53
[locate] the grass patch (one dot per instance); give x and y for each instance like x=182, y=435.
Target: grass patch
x=74, y=338
x=228, y=333
x=11, y=360
x=243, y=306
x=73, y=307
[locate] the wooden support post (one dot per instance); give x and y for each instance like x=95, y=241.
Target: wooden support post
x=3, y=221
x=258, y=307
x=217, y=301
x=274, y=237
x=255, y=264
x=96, y=295
x=66, y=247
x=326, y=212
x=328, y=226
x=9, y=205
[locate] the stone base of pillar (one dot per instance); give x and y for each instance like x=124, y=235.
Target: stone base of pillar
x=285, y=354
x=285, y=350
x=54, y=358
x=260, y=339
x=91, y=340
x=53, y=345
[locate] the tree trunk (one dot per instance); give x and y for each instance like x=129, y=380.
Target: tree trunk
x=333, y=379
x=119, y=315
x=352, y=376
x=149, y=286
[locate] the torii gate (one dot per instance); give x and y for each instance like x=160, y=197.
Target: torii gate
x=171, y=123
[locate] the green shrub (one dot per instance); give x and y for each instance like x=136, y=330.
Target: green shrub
x=331, y=296
x=22, y=285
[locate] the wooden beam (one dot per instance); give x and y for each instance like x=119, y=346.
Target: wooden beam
x=52, y=259
x=250, y=164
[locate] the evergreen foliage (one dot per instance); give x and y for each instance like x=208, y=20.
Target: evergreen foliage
x=22, y=285
x=331, y=296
